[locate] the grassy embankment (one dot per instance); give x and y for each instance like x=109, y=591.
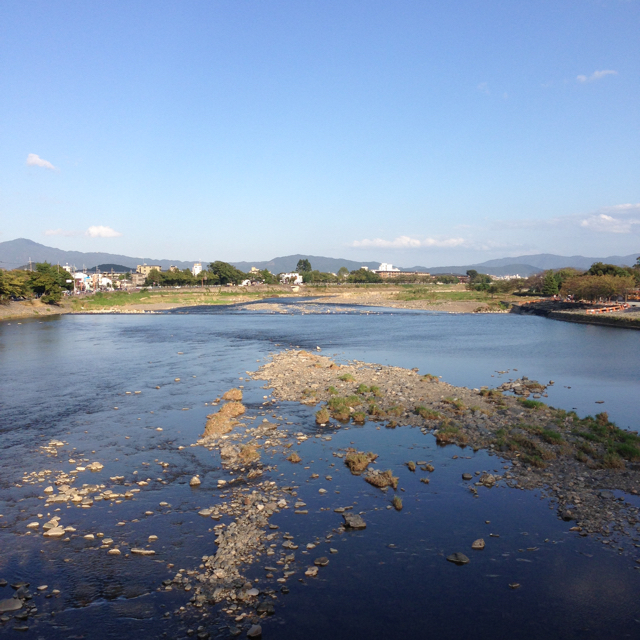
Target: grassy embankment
x=453, y=293
x=211, y=296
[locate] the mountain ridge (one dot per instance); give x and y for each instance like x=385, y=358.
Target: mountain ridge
x=16, y=253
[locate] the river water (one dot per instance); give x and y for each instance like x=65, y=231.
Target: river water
x=62, y=378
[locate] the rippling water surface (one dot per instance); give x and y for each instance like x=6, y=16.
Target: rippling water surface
x=63, y=377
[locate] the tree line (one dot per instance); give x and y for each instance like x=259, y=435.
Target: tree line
x=600, y=281
x=48, y=282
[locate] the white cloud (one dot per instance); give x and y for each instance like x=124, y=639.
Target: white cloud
x=483, y=87
x=34, y=160
x=597, y=75
x=92, y=232
x=406, y=242
x=102, y=232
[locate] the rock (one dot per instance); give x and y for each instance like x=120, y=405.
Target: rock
x=143, y=552
x=95, y=466
x=478, y=544
x=10, y=604
x=255, y=631
x=114, y=552
x=33, y=525
x=354, y=521
x=411, y=465
x=54, y=532
x=567, y=515
x=488, y=480
x=265, y=607
x=49, y=490
x=467, y=476
x=458, y=558
x=514, y=585
x=311, y=572
x=195, y=482
x=321, y=562
x=253, y=592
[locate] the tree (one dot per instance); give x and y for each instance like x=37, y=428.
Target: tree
x=226, y=273
x=478, y=281
x=343, y=272
x=49, y=282
x=549, y=284
x=592, y=288
x=154, y=278
x=304, y=266
x=13, y=284
x=309, y=277
x=602, y=269
x=364, y=276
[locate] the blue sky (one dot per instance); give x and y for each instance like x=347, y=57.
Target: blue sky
x=411, y=132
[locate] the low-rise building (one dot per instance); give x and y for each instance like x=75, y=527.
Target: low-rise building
x=146, y=269
x=196, y=269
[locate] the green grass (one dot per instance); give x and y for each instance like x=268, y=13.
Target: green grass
x=363, y=388
x=427, y=414
x=531, y=404
x=347, y=377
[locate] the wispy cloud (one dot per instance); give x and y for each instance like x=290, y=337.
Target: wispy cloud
x=483, y=87
x=623, y=218
x=407, y=242
x=96, y=231
x=62, y=232
x=34, y=160
x=597, y=75
x=619, y=218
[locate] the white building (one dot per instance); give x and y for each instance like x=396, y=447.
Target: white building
x=196, y=269
x=385, y=266
x=291, y=278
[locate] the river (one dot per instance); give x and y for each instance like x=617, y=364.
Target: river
x=67, y=378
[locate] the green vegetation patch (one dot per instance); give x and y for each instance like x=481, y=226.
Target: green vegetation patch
x=427, y=414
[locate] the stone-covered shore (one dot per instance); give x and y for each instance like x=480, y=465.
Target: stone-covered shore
x=577, y=463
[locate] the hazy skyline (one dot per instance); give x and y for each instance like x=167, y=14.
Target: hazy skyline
x=407, y=132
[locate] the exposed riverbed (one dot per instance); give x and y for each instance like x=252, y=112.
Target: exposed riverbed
x=68, y=400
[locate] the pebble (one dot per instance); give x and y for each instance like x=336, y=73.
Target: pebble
x=114, y=552
x=478, y=544
x=143, y=552
x=321, y=562
x=255, y=631
x=195, y=482
x=311, y=572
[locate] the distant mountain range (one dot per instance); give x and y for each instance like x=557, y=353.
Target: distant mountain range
x=17, y=253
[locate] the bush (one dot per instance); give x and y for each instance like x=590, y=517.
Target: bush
x=322, y=416
x=347, y=377
x=531, y=404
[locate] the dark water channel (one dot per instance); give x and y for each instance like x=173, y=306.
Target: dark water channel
x=62, y=378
